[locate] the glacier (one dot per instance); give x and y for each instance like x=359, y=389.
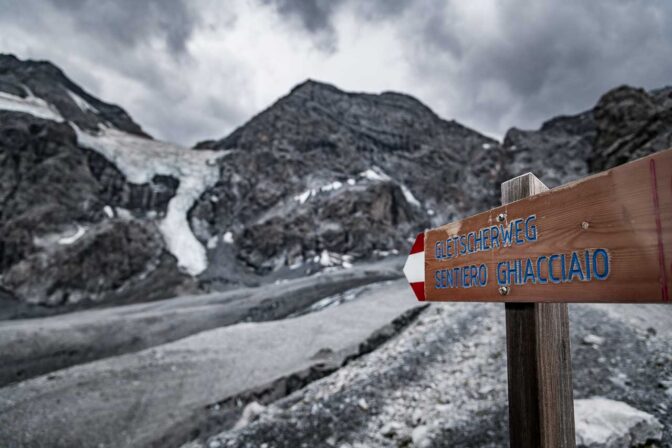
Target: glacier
x=140, y=159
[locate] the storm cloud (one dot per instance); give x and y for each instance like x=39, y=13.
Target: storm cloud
x=192, y=70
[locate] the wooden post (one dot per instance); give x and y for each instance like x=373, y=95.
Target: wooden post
x=541, y=404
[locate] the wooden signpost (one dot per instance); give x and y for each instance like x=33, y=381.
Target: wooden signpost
x=605, y=238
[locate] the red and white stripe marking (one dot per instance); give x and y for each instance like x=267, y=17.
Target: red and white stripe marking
x=414, y=269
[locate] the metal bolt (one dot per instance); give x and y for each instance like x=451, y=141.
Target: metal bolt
x=501, y=217
x=585, y=225
x=504, y=290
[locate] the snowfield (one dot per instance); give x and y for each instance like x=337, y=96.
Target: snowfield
x=30, y=105
x=140, y=159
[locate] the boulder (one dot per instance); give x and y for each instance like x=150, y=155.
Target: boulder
x=605, y=423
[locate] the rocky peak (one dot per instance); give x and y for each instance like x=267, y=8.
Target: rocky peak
x=385, y=159
x=620, y=112
x=41, y=83
x=631, y=123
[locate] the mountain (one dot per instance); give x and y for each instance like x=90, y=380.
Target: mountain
x=323, y=176
x=95, y=211
x=73, y=229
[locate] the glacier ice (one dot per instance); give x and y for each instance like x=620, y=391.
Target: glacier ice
x=140, y=159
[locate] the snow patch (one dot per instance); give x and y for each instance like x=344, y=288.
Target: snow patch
x=409, y=196
x=486, y=145
x=303, y=197
x=212, y=242
x=74, y=237
x=331, y=259
x=332, y=186
x=108, y=211
x=82, y=103
x=140, y=159
x=30, y=105
x=228, y=238
x=374, y=173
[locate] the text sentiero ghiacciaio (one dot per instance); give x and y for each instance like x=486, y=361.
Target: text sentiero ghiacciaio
x=555, y=268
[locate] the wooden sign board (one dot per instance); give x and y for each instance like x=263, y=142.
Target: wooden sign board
x=605, y=238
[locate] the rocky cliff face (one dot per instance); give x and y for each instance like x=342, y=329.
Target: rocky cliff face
x=73, y=230
x=323, y=174
x=625, y=124
x=63, y=236
x=93, y=210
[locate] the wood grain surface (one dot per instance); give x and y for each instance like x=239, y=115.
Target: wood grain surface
x=626, y=210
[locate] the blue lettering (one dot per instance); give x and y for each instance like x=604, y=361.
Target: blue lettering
x=485, y=234
x=473, y=272
x=439, y=250
x=529, y=272
x=501, y=280
x=463, y=245
x=553, y=278
x=605, y=263
x=531, y=229
x=513, y=272
x=478, y=241
x=575, y=268
x=471, y=236
x=506, y=234
x=494, y=236
x=517, y=229
x=483, y=275
x=588, y=270
x=541, y=280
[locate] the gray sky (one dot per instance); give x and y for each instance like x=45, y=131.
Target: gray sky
x=189, y=70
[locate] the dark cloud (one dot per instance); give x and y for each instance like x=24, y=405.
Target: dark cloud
x=314, y=16
x=126, y=23
x=487, y=63
x=527, y=61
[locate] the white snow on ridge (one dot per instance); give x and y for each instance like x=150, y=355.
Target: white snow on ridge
x=82, y=103
x=140, y=159
x=66, y=240
x=374, y=173
x=303, y=197
x=30, y=105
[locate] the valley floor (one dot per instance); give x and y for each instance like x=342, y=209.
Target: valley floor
x=343, y=359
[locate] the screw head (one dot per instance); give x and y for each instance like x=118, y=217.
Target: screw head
x=504, y=290
x=585, y=225
x=501, y=217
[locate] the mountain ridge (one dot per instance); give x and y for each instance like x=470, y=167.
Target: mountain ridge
x=318, y=180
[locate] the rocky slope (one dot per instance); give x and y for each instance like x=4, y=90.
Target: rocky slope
x=324, y=170
x=625, y=124
x=442, y=383
x=75, y=229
